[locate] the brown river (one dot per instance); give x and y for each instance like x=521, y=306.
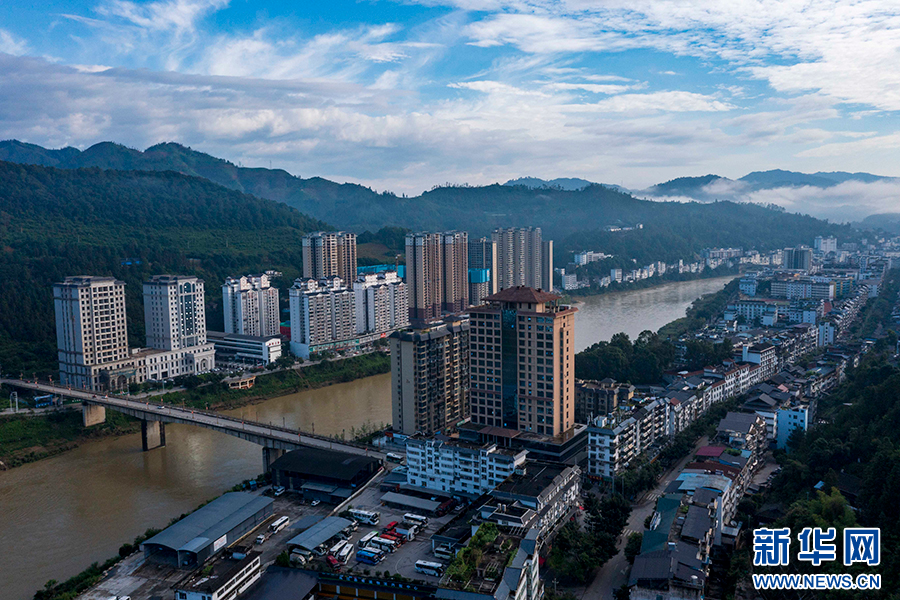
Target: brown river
x=60, y=514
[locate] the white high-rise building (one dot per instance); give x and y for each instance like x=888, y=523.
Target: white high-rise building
x=175, y=321
x=382, y=302
x=90, y=327
x=323, y=315
x=250, y=305
x=327, y=315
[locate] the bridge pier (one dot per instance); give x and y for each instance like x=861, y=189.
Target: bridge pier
x=92, y=414
x=270, y=455
x=153, y=434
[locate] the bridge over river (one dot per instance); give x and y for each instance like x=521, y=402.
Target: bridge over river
x=274, y=440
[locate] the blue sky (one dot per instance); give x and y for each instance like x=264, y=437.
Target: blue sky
x=406, y=95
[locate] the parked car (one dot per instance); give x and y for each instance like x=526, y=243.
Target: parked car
x=315, y=503
x=278, y=490
x=260, y=538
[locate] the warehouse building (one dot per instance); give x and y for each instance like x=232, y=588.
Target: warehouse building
x=325, y=475
x=192, y=540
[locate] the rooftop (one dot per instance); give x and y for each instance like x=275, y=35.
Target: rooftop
x=534, y=479
x=740, y=422
x=522, y=294
x=410, y=501
x=211, y=522
x=216, y=574
x=319, y=533
x=324, y=463
x=282, y=583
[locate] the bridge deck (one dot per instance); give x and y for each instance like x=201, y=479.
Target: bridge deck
x=261, y=433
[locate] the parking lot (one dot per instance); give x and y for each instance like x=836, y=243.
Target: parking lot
x=403, y=560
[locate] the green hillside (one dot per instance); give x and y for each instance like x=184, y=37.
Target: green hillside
x=575, y=219
x=55, y=223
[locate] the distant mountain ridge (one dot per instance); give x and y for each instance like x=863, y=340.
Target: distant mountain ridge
x=524, y=202
x=715, y=187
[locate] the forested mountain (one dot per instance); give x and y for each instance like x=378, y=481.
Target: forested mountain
x=723, y=188
x=129, y=224
x=563, y=183
x=582, y=214
x=889, y=222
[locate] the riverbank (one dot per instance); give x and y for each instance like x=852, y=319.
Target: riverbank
x=573, y=295
x=701, y=311
x=25, y=439
x=281, y=383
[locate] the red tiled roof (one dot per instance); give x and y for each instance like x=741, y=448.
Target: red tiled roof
x=715, y=451
x=522, y=293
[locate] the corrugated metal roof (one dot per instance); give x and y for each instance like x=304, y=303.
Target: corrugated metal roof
x=210, y=522
x=319, y=533
x=411, y=501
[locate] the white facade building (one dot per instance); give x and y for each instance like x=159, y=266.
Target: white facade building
x=381, y=303
x=327, y=315
x=175, y=322
x=457, y=467
x=250, y=305
x=323, y=315
x=92, y=333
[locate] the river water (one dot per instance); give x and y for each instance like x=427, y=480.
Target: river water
x=60, y=514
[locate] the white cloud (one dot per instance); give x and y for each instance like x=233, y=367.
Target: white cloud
x=851, y=200
x=844, y=50
x=594, y=88
x=10, y=44
x=671, y=101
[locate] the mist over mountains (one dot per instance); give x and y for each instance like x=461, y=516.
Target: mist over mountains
x=837, y=196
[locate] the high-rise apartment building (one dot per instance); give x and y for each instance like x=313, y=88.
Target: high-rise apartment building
x=175, y=322
x=323, y=315
x=327, y=315
x=329, y=254
x=547, y=265
x=523, y=362
x=479, y=285
x=520, y=254
x=483, y=255
x=825, y=244
x=91, y=331
x=250, y=305
x=382, y=302
x=437, y=271
x=430, y=377
x=797, y=258
x=174, y=312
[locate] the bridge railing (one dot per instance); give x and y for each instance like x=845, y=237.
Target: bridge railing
x=96, y=398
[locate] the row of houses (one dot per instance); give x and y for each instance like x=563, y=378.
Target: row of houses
x=615, y=439
x=693, y=518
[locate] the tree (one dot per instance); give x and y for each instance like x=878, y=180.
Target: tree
x=633, y=546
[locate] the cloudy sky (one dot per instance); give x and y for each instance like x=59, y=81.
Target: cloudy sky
x=402, y=95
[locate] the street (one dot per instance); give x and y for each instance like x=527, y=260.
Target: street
x=614, y=574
